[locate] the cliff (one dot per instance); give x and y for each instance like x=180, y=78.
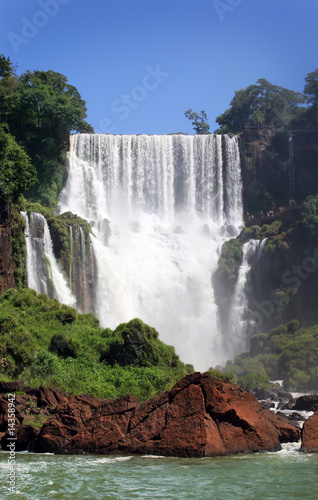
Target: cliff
x=12, y=248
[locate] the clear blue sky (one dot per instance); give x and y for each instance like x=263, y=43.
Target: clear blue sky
x=139, y=64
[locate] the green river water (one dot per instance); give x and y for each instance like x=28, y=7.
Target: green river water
x=287, y=474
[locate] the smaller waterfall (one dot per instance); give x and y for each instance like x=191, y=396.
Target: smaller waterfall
x=81, y=268
x=43, y=272
x=241, y=326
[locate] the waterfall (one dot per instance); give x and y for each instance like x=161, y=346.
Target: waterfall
x=240, y=324
x=160, y=208
x=43, y=272
x=233, y=193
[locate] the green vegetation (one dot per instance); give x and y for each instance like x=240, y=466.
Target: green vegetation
x=226, y=376
x=16, y=172
x=199, y=121
x=259, y=104
x=44, y=342
x=288, y=352
x=277, y=128
x=309, y=216
x=229, y=263
x=51, y=109
x=18, y=247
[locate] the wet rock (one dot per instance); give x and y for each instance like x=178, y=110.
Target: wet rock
x=25, y=438
x=199, y=416
x=309, y=402
x=309, y=434
x=266, y=405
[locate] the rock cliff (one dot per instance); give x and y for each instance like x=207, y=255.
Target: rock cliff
x=200, y=416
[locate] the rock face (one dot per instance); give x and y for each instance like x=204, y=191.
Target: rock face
x=6, y=265
x=309, y=402
x=200, y=416
x=309, y=434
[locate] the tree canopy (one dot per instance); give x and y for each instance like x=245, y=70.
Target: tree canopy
x=42, y=108
x=16, y=171
x=258, y=104
x=199, y=121
x=6, y=68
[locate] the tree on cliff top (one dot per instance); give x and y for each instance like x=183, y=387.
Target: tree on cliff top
x=199, y=122
x=311, y=93
x=262, y=103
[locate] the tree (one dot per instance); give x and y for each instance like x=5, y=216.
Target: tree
x=42, y=109
x=262, y=103
x=16, y=171
x=199, y=122
x=53, y=107
x=311, y=88
x=6, y=68
x=311, y=93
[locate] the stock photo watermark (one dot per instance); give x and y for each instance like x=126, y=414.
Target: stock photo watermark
x=11, y=443
x=31, y=26
x=222, y=7
x=122, y=106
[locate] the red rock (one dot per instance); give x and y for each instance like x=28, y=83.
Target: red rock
x=200, y=416
x=287, y=432
x=309, y=434
x=45, y=397
x=25, y=438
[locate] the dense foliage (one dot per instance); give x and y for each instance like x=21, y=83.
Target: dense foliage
x=278, y=130
x=199, y=121
x=51, y=109
x=288, y=353
x=259, y=104
x=44, y=342
x=16, y=171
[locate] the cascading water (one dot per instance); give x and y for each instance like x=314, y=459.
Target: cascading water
x=240, y=325
x=43, y=272
x=159, y=207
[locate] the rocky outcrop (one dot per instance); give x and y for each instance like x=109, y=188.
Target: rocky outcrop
x=309, y=434
x=6, y=265
x=308, y=402
x=200, y=416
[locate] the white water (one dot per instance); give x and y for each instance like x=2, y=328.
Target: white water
x=158, y=212
x=240, y=325
x=43, y=272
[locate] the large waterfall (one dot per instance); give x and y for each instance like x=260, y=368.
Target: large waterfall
x=160, y=208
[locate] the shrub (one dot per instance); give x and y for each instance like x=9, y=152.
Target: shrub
x=64, y=346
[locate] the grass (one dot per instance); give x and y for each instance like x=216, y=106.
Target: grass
x=47, y=343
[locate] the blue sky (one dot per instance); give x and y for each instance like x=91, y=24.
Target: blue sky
x=140, y=64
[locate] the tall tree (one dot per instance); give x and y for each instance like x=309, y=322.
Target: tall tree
x=42, y=109
x=311, y=93
x=262, y=103
x=199, y=121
